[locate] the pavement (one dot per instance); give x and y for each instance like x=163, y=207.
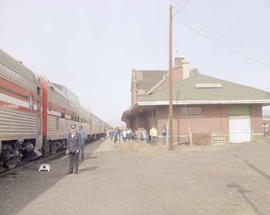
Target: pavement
x=135, y=178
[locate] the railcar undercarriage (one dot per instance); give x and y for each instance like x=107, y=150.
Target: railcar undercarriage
x=14, y=152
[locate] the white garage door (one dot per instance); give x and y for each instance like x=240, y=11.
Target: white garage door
x=239, y=129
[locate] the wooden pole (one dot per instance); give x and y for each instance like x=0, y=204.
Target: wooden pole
x=170, y=84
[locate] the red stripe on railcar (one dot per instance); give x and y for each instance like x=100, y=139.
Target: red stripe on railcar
x=44, y=86
x=14, y=89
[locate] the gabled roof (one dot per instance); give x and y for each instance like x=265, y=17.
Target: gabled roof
x=146, y=79
x=205, y=89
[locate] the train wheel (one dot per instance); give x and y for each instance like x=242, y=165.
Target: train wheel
x=12, y=163
x=53, y=146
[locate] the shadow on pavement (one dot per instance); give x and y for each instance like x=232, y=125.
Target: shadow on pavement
x=243, y=193
x=259, y=171
x=89, y=157
x=87, y=169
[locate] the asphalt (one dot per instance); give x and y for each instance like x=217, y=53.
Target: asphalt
x=129, y=179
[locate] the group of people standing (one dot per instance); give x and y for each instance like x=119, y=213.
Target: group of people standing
x=75, y=148
x=122, y=135
x=154, y=135
x=77, y=138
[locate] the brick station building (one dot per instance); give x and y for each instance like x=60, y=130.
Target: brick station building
x=206, y=109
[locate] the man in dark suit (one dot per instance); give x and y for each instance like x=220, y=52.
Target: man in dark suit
x=74, y=143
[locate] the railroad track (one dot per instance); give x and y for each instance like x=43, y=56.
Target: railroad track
x=4, y=172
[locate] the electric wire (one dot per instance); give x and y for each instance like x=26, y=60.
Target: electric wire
x=220, y=43
x=221, y=35
x=184, y=5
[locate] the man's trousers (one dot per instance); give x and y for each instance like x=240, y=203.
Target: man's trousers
x=73, y=162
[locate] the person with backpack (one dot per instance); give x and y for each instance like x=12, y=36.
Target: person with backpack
x=84, y=137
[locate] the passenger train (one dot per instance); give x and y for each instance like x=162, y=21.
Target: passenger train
x=36, y=114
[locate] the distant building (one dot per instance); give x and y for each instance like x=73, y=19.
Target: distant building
x=206, y=109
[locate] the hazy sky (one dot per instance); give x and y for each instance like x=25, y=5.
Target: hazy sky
x=91, y=46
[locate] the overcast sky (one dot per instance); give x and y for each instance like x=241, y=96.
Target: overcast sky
x=91, y=46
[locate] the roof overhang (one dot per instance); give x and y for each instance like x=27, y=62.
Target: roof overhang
x=134, y=110
x=199, y=102
x=146, y=105
x=129, y=112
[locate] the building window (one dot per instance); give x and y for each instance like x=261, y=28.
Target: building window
x=191, y=110
x=154, y=113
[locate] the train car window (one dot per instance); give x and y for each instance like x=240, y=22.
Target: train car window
x=31, y=103
x=38, y=91
x=62, y=115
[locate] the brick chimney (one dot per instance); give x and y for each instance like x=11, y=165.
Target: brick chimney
x=181, y=69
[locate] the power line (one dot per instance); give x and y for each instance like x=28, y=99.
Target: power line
x=221, y=35
x=179, y=2
x=185, y=4
x=218, y=42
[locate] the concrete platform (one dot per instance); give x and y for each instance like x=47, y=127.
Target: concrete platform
x=132, y=179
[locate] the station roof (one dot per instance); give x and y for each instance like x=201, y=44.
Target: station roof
x=146, y=79
x=205, y=89
x=201, y=89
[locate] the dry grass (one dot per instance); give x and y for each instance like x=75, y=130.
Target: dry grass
x=137, y=146
x=160, y=148
x=143, y=147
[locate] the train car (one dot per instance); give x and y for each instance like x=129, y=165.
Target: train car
x=63, y=110
x=19, y=111
x=88, y=128
x=96, y=127
x=36, y=114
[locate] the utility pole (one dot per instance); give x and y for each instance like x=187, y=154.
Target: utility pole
x=170, y=84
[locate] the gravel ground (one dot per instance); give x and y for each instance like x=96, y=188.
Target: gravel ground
x=129, y=179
